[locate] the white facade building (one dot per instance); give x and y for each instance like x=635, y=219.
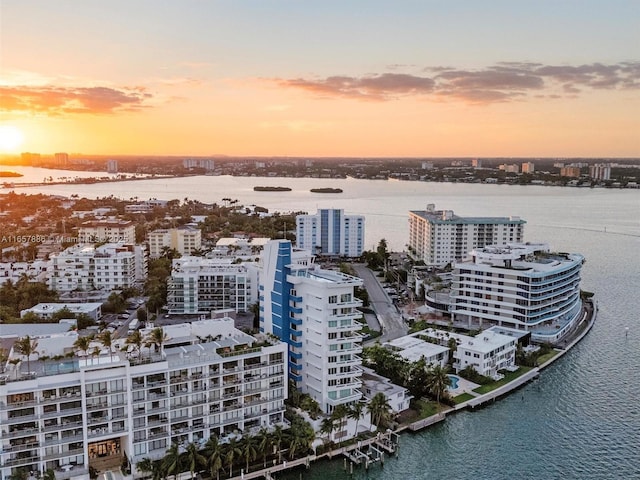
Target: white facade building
x=95, y=411
x=186, y=240
x=315, y=312
x=331, y=232
x=488, y=353
x=415, y=346
x=46, y=310
x=600, y=171
x=112, y=230
x=521, y=286
x=200, y=285
x=439, y=237
x=112, y=266
x=35, y=271
x=398, y=397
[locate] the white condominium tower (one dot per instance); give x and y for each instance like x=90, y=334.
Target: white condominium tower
x=522, y=286
x=438, y=237
x=101, y=410
x=331, y=232
x=315, y=312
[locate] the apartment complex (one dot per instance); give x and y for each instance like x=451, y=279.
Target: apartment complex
x=521, y=286
x=600, y=171
x=438, y=237
x=112, y=266
x=98, y=411
x=315, y=312
x=200, y=285
x=112, y=230
x=331, y=232
x=186, y=240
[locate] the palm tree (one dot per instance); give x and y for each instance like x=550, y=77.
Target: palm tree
x=301, y=437
x=157, y=338
x=438, y=381
x=264, y=444
x=106, y=338
x=379, y=409
x=233, y=451
x=26, y=346
x=171, y=462
x=145, y=466
x=83, y=344
x=277, y=439
x=356, y=411
x=194, y=458
x=49, y=474
x=136, y=340
x=249, y=451
x=339, y=415
x=214, y=456
x=326, y=428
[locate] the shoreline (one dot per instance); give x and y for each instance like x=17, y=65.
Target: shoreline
x=582, y=329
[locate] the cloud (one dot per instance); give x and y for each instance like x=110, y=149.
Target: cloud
x=51, y=100
x=502, y=82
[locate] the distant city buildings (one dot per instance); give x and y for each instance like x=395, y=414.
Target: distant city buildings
x=438, y=237
x=427, y=165
x=600, y=171
x=205, y=163
x=528, y=167
x=331, y=232
x=476, y=163
x=573, y=172
x=520, y=286
x=316, y=313
x=112, y=230
x=61, y=159
x=510, y=168
x=29, y=158
x=185, y=240
x=112, y=166
x=146, y=206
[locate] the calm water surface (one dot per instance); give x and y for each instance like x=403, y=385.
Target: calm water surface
x=581, y=419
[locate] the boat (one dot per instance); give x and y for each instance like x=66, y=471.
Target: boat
x=271, y=189
x=326, y=190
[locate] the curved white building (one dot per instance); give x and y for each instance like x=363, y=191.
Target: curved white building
x=522, y=286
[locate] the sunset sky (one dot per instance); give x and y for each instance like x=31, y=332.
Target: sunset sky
x=321, y=78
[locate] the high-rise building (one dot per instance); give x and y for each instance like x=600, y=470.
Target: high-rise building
x=112, y=230
x=98, y=411
x=29, y=158
x=112, y=166
x=438, y=237
x=528, y=167
x=573, y=172
x=315, y=312
x=61, y=159
x=521, y=286
x=331, y=232
x=200, y=285
x=600, y=171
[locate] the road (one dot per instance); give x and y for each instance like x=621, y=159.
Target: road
x=390, y=318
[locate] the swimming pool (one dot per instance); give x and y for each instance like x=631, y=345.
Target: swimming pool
x=453, y=381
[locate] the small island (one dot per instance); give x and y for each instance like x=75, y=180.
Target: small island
x=271, y=189
x=326, y=190
x=6, y=174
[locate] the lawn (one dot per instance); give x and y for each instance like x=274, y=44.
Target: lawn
x=547, y=356
x=426, y=409
x=509, y=376
x=463, y=397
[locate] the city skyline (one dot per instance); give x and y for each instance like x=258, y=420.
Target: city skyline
x=291, y=78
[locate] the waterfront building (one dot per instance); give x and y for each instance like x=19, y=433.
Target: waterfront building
x=528, y=167
x=185, y=240
x=46, y=310
x=315, y=312
x=573, y=172
x=600, y=171
x=397, y=397
x=200, y=285
x=111, y=230
x=416, y=346
x=118, y=407
x=476, y=162
x=112, y=266
x=205, y=163
x=331, y=232
x=146, y=206
x=112, y=166
x=510, y=168
x=438, y=237
x=29, y=158
x=521, y=286
x=61, y=159
x=488, y=353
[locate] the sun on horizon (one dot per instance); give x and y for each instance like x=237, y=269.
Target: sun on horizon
x=11, y=139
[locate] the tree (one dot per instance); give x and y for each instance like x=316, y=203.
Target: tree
x=157, y=338
x=213, y=452
x=141, y=314
x=233, y=452
x=49, y=474
x=171, y=461
x=379, y=409
x=26, y=346
x=339, y=415
x=438, y=381
x=249, y=451
x=326, y=427
x=194, y=459
x=301, y=435
x=136, y=340
x=264, y=444
x=145, y=466
x=356, y=410
x=418, y=377
x=277, y=439
x=106, y=338
x=83, y=344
